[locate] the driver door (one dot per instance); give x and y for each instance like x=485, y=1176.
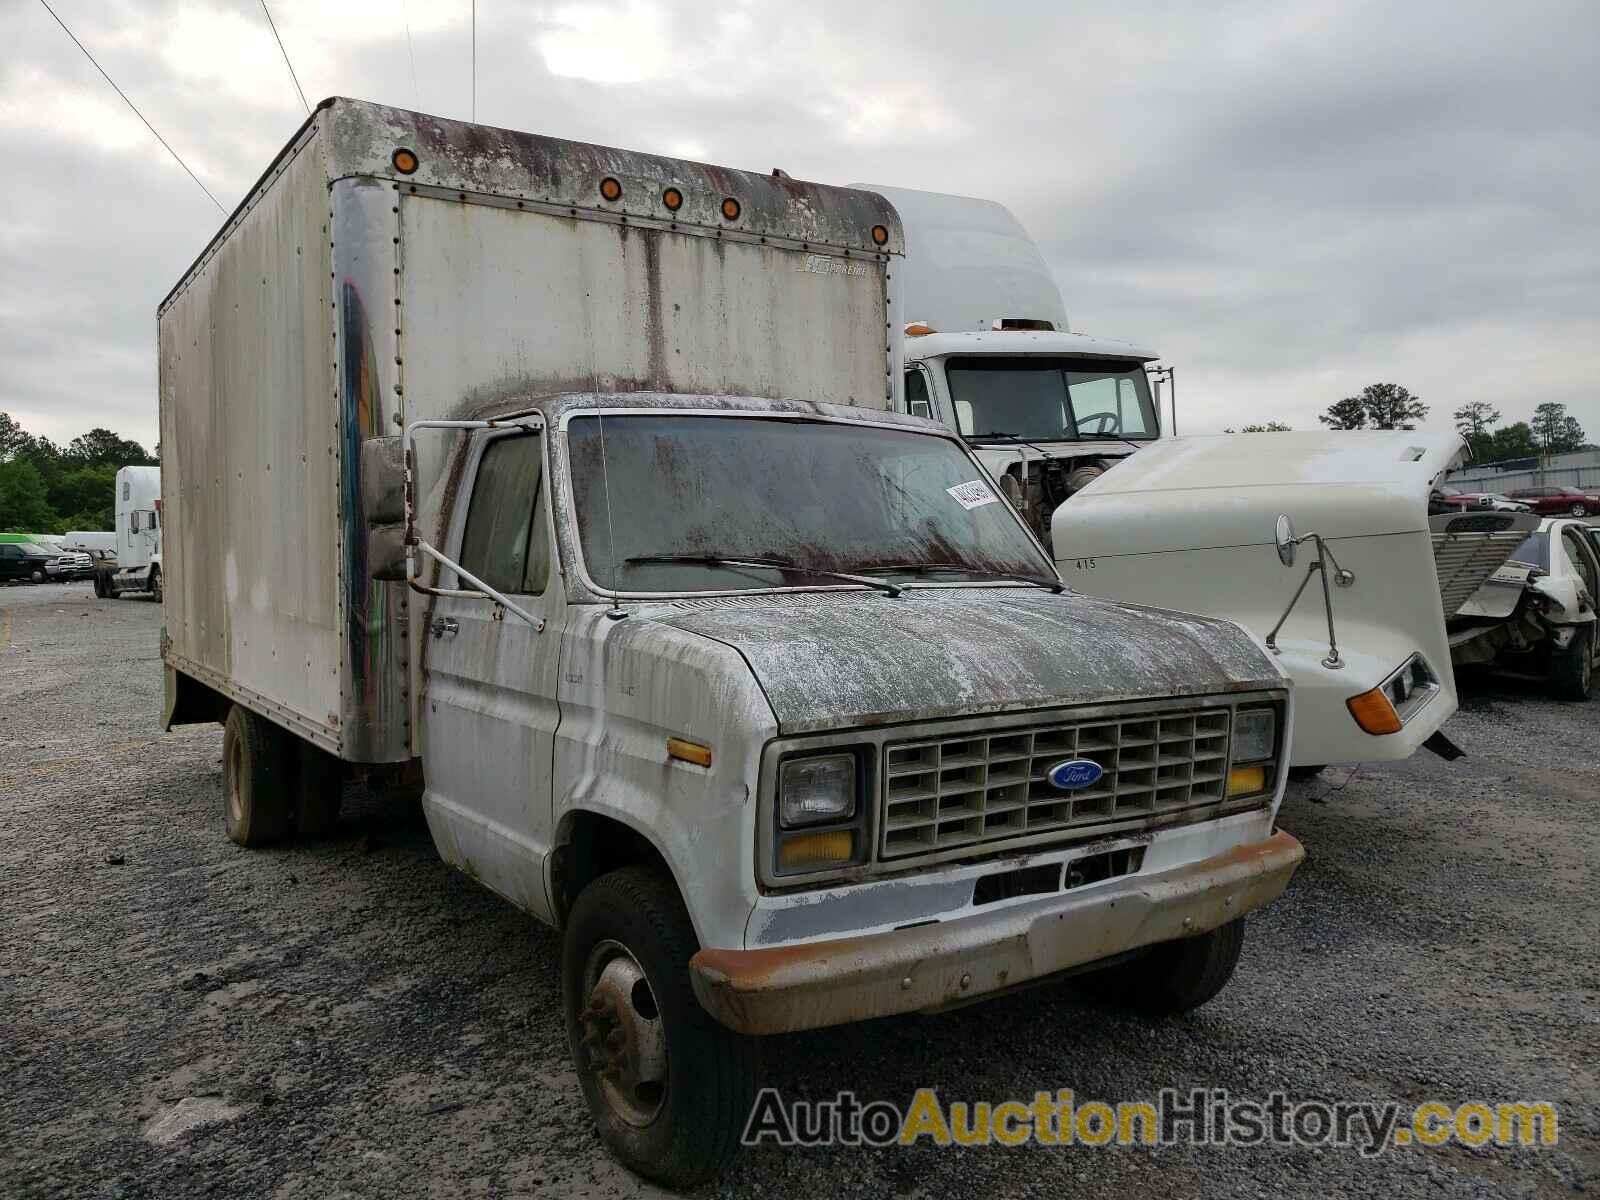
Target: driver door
x=489, y=711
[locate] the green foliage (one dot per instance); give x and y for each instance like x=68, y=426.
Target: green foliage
x=45, y=489
x=1513, y=441
x=1557, y=432
x=1379, y=406
x=1474, y=422
x=24, y=504
x=1269, y=427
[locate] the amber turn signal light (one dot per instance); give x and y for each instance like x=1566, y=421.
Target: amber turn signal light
x=802, y=851
x=1374, y=712
x=730, y=209
x=673, y=199
x=610, y=189
x=880, y=234
x=405, y=161
x=1244, y=780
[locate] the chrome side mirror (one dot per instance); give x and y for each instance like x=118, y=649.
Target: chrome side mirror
x=1284, y=536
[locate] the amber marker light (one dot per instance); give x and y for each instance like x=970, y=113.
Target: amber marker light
x=730, y=209
x=610, y=189
x=672, y=198
x=880, y=234
x=689, y=752
x=1374, y=712
x=405, y=161
x=1244, y=780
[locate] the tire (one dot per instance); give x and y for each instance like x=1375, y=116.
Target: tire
x=155, y=584
x=319, y=794
x=99, y=587
x=258, y=762
x=1579, y=510
x=1572, y=669
x=1301, y=774
x=632, y=925
x=38, y=575
x=1175, y=977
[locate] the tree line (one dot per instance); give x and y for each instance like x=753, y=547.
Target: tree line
x=1390, y=406
x=46, y=488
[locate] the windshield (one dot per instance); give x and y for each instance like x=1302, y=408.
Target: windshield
x=833, y=497
x=1051, y=399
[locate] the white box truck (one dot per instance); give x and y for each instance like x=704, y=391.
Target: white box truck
x=571, y=474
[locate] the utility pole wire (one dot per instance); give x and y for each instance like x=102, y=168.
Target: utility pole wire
x=411, y=53
x=272, y=25
x=474, y=61
x=135, y=108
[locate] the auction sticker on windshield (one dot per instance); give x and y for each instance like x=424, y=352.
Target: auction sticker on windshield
x=974, y=494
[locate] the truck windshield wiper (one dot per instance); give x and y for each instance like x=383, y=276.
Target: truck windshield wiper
x=779, y=564
x=1000, y=435
x=922, y=568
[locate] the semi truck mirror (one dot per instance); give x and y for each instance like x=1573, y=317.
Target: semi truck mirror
x=386, y=553
x=383, y=482
x=1283, y=535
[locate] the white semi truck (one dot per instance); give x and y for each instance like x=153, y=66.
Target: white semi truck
x=572, y=475
x=988, y=352
x=137, y=565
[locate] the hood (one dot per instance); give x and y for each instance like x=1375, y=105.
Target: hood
x=830, y=659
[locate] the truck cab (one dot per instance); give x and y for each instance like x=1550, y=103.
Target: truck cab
x=989, y=353
x=137, y=565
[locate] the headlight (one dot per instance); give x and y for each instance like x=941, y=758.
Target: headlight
x=1255, y=733
x=814, y=791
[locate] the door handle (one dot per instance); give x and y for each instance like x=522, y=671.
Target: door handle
x=444, y=627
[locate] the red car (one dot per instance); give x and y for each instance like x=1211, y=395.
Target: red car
x=1551, y=500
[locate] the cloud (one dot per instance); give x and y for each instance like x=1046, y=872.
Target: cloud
x=1290, y=201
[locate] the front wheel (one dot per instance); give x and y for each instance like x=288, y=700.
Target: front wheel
x=668, y=1087
x=1174, y=977
x=155, y=584
x=1579, y=510
x=37, y=575
x=1572, y=669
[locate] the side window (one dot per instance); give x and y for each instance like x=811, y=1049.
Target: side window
x=7, y=550
x=505, y=543
x=917, y=402
x=126, y=484
x=1582, y=562
x=133, y=522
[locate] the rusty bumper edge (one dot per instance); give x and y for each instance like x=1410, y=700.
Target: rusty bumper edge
x=815, y=984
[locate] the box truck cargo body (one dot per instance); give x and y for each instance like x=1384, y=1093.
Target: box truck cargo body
x=347, y=296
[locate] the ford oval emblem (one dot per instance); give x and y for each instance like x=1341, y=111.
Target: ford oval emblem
x=1075, y=773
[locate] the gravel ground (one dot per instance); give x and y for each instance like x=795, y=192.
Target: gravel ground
x=179, y=1017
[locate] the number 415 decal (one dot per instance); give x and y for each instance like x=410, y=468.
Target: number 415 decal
x=1083, y=564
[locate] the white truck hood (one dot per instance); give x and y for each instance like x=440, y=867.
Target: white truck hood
x=1188, y=523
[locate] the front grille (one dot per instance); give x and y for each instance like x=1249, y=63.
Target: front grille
x=972, y=789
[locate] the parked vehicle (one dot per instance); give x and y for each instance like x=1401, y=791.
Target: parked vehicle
x=746, y=682
x=1535, y=617
x=92, y=542
x=1448, y=499
x=1553, y=500
x=137, y=564
x=69, y=565
x=27, y=562
x=988, y=353
x=1500, y=502
x=1209, y=524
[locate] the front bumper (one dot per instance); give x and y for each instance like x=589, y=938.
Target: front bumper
x=810, y=985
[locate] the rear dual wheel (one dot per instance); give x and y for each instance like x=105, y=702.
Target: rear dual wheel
x=273, y=782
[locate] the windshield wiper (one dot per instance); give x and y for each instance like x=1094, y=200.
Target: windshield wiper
x=780, y=564
x=922, y=568
x=1001, y=435
x=1111, y=437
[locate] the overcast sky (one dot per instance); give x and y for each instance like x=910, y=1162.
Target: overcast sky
x=1287, y=200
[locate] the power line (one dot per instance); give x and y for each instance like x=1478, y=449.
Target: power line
x=474, y=60
x=416, y=96
x=135, y=108
x=273, y=26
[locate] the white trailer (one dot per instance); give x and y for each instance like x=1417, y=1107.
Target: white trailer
x=989, y=353
x=571, y=474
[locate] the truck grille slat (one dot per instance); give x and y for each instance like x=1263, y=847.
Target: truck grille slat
x=969, y=790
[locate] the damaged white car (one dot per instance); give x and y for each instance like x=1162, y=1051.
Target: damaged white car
x=1535, y=616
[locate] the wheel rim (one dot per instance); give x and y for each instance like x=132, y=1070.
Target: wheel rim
x=623, y=1036
x=235, y=770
